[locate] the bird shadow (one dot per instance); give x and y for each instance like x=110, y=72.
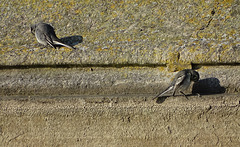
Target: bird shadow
x=161, y=99
x=72, y=40
x=208, y=86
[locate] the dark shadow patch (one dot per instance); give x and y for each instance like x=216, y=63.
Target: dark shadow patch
x=208, y=86
x=161, y=99
x=72, y=40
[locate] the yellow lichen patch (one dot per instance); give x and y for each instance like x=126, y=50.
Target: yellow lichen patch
x=112, y=6
x=161, y=68
x=50, y=5
x=78, y=11
x=178, y=67
x=231, y=32
x=101, y=49
x=67, y=49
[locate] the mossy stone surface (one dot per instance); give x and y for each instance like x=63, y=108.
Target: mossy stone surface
x=123, y=32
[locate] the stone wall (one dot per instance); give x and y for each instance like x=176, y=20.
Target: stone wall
x=127, y=52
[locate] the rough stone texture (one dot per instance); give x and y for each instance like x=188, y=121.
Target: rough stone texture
x=133, y=120
x=175, y=33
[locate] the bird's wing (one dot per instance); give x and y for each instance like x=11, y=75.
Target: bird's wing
x=49, y=40
x=179, y=81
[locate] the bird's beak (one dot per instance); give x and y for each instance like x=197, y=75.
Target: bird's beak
x=32, y=31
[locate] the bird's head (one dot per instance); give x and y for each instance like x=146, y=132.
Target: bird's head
x=194, y=76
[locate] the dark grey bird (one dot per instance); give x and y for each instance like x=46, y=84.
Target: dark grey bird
x=181, y=82
x=45, y=35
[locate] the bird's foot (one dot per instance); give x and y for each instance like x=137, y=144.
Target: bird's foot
x=184, y=95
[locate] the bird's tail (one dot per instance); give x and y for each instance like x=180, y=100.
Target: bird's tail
x=62, y=44
x=165, y=91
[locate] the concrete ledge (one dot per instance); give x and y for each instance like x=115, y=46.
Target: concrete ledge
x=132, y=120
x=126, y=44
x=111, y=80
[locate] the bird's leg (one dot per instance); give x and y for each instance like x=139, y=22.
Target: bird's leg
x=198, y=95
x=173, y=92
x=184, y=94
x=155, y=97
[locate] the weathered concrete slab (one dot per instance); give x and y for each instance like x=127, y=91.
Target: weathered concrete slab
x=176, y=33
x=133, y=120
x=111, y=80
